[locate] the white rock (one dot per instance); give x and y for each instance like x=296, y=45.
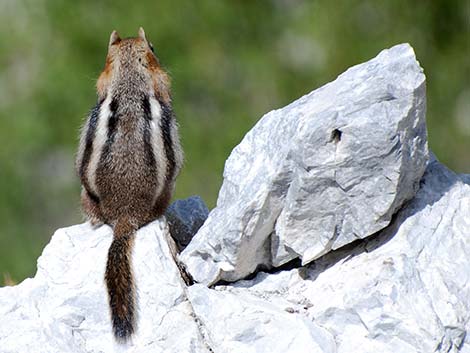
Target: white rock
x=328, y=169
x=406, y=289
x=64, y=307
x=245, y=323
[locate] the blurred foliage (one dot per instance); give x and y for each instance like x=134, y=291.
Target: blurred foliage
x=231, y=61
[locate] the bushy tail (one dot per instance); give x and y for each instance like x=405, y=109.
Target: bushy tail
x=120, y=281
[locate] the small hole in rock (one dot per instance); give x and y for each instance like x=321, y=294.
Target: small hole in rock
x=336, y=135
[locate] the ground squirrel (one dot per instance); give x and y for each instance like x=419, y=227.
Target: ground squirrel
x=128, y=158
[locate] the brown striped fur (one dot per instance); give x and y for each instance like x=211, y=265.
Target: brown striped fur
x=128, y=160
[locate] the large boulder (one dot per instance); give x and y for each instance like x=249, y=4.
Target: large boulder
x=405, y=289
x=328, y=169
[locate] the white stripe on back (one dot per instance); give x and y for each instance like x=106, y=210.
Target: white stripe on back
x=158, y=144
x=101, y=135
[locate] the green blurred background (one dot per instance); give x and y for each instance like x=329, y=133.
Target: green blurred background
x=231, y=62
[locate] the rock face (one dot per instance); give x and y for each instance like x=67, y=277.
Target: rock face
x=405, y=288
x=328, y=169
x=64, y=307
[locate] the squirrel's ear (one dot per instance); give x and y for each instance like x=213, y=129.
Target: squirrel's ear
x=142, y=34
x=114, y=38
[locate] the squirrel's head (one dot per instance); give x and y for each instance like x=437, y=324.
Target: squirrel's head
x=131, y=62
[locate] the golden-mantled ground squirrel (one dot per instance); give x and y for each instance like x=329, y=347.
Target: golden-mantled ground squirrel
x=128, y=158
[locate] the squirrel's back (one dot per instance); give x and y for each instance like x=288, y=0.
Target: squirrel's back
x=131, y=152
x=128, y=159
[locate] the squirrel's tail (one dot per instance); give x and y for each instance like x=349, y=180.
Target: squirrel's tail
x=120, y=281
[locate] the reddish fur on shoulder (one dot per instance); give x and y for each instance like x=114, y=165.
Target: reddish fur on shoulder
x=104, y=80
x=119, y=50
x=161, y=81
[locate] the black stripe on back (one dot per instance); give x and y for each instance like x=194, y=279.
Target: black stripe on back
x=146, y=108
x=92, y=196
x=112, y=122
x=149, y=153
x=112, y=129
x=165, y=126
x=90, y=135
